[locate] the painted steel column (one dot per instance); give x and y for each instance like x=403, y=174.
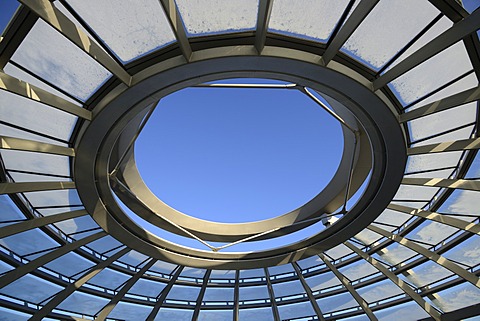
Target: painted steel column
x=72, y=287
x=22, y=270
x=308, y=291
x=399, y=282
x=102, y=315
x=276, y=315
x=163, y=294
x=236, y=296
x=263, y=19
x=198, y=305
x=346, y=283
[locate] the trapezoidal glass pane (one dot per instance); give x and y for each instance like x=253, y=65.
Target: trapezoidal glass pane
x=311, y=19
x=130, y=28
x=203, y=17
x=49, y=55
x=387, y=29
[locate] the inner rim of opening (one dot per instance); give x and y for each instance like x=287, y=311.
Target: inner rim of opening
x=236, y=155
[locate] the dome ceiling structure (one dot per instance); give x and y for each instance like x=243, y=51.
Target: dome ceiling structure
x=392, y=236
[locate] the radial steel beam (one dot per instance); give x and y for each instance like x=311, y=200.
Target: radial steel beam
x=24, y=187
x=55, y=18
x=178, y=28
x=449, y=37
x=453, y=101
x=22, y=270
x=449, y=265
x=399, y=282
x=37, y=222
x=346, y=283
x=198, y=304
x=308, y=291
x=444, y=182
x=164, y=293
x=355, y=19
x=34, y=146
x=72, y=287
x=263, y=18
x=102, y=315
x=24, y=89
x=459, y=145
x=440, y=218
x=276, y=315
x=236, y=296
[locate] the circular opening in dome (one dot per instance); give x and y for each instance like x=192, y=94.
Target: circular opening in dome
x=238, y=154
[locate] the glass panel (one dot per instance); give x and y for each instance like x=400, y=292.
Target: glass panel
x=443, y=24
x=406, y=192
x=192, y=272
x=183, y=293
x=9, y=210
x=36, y=162
x=22, y=177
x=456, y=297
x=295, y=310
x=406, y=311
x=474, y=171
x=104, y=244
x=394, y=254
x=174, y=314
x=35, y=116
x=280, y=269
x=368, y=237
x=265, y=314
x=387, y=29
x=163, y=267
x=28, y=242
x=18, y=133
x=133, y=258
x=322, y=281
x=379, y=291
x=109, y=279
x=130, y=311
x=130, y=29
x=16, y=72
x=427, y=273
x=431, y=74
x=56, y=210
x=53, y=198
x=288, y=288
x=249, y=293
x=358, y=270
x=218, y=294
x=336, y=302
x=468, y=253
x=203, y=17
x=442, y=121
x=61, y=62
x=431, y=232
x=31, y=289
x=77, y=225
x=83, y=303
x=255, y=273
x=393, y=218
x=215, y=315
x=338, y=252
x=11, y=315
x=462, y=202
x=223, y=274
x=69, y=264
x=302, y=19
x=147, y=288
x=431, y=161
x=310, y=262
x=4, y=267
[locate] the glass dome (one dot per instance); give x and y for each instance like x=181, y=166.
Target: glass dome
x=393, y=235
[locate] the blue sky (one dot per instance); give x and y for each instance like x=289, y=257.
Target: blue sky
x=238, y=155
